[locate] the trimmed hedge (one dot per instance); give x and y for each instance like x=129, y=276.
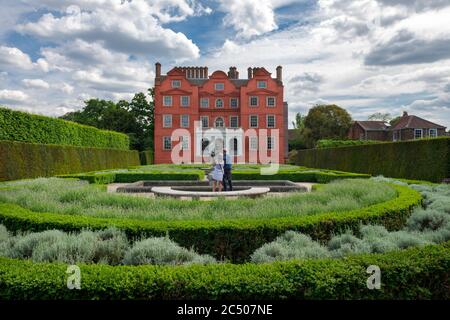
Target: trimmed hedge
x=25, y=127
x=130, y=177
x=233, y=239
x=329, y=143
x=19, y=160
x=415, y=273
x=146, y=157
x=427, y=159
x=298, y=176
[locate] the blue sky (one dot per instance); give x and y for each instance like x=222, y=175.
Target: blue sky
x=367, y=56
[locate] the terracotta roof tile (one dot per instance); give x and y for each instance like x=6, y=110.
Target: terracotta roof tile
x=412, y=122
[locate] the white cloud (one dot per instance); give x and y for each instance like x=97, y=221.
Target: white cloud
x=12, y=96
x=35, y=83
x=128, y=27
x=249, y=18
x=14, y=58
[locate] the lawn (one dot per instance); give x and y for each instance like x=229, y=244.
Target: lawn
x=73, y=197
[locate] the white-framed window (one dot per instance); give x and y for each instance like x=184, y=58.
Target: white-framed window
x=253, y=121
x=204, y=102
x=253, y=143
x=219, y=123
x=184, y=101
x=205, y=121
x=234, y=121
x=254, y=101
x=184, y=121
x=261, y=84
x=270, y=101
x=219, y=86
x=167, y=143
x=270, y=143
x=167, y=101
x=184, y=140
x=167, y=121
x=234, y=102
x=176, y=83
x=219, y=103
x=432, y=133
x=418, y=133
x=270, y=121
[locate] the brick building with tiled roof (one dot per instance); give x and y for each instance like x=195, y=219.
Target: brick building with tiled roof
x=408, y=127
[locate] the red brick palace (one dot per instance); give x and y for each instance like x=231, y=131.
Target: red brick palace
x=194, y=110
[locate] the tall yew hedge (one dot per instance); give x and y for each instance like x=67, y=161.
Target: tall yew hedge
x=25, y=127
x=427, y=159
x=19, y=160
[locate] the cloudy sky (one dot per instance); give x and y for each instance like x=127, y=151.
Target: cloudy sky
x=366, y=55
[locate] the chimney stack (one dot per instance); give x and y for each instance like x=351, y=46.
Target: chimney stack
x=157, y=73
x=250, y=73
x=405, y=114
x=280, y=73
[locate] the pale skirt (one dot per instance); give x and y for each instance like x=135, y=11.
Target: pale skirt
x=217, y=174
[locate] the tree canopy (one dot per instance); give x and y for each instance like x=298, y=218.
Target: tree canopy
x=326, y=122
x=135, y=118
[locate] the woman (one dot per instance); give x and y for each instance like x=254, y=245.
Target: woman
x=217, y=173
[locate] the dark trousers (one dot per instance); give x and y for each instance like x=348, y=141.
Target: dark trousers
x=227, y=185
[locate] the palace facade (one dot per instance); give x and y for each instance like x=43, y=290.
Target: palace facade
x=197, y=112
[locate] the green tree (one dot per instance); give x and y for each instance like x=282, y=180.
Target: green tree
x=299, y=122
x=135, y=118
x=378, y=116
x=326, y=122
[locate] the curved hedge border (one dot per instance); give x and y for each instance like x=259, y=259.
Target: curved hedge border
x=415, y=273
x=26, y=127
x=130, y=177
x=323, y=176
x=231, y=239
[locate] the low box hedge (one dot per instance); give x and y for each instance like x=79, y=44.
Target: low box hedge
x=298, y=176
x=19, y=160
x=31, y=128
x=427, y=159
x=131, y=177
x=415, y=273
x=232, y=239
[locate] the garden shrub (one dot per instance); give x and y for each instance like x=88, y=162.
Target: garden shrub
x=162, y=251
x=427, y=159
x=20, y=160
x=424, y=226
x=233, y=239
x=415, y=273
x=25, y=127
x=330, y=143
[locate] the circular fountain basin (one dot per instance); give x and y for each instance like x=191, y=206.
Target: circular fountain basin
x=251, y=192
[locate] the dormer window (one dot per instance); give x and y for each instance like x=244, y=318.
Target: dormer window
x=176, y=83
x=219, y=86
x=262, y=84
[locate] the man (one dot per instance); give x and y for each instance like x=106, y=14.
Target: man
x=227, y=166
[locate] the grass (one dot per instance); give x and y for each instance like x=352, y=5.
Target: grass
x=79, y=198
x=427, y=225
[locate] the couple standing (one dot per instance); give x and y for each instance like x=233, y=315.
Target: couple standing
x=221, y=173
